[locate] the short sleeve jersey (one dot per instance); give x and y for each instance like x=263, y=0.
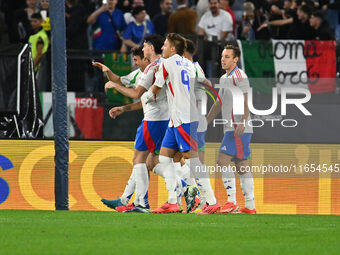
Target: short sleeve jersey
x=178, y=73
x=131, y=80
x=158, y=109
x=201, y=99
x=237, y=78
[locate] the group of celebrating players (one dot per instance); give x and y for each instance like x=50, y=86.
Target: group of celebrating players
x=170, y=140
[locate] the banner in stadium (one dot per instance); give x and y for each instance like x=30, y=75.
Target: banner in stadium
x=309, y=64
x=101, y=169
x=85, y=115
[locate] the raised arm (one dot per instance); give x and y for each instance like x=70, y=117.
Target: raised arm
x=133, y=93
x=110, y=75
x=93, y=17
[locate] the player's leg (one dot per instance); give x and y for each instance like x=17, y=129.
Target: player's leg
x=167, y=153
x=228, y=179
x=186, y=136
x=246, y=178
x=121, y=204
x=140, y=171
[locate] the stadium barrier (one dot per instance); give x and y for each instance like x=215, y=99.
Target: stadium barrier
x=289, y=179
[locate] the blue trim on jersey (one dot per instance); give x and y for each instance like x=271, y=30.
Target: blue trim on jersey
x=174, y=140
x=228, y=145
x=231, y=73
x=157, y=131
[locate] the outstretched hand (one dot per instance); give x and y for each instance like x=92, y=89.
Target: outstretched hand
x=116, y=111
x=101, y=66
x=264, y=25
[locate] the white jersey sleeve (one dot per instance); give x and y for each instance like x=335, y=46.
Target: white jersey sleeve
x=201, y=98
x=239, y=79
x=131, y=79
x=147, y=78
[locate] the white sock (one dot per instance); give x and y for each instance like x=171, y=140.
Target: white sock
x=178, y=169
x=203, y=180
x=167, y=164
x=186, y=174
x=228, y=178
x=129, y=188
x=158, y=170
x=142, y=185
x=247, y=185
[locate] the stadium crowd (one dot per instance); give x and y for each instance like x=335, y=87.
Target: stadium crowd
x=120, y=25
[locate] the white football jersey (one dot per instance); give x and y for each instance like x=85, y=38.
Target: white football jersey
x=237, y=78
x=158, y=109
x=201, y=99
x=131, y=80
x=178, y=73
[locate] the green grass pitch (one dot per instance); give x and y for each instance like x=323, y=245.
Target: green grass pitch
x=63, y=232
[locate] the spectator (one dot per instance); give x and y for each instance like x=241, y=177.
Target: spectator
x=202, y=7
x=276, y=12
x=183, y=20
x=216, y=22
x=152, y=7
x=76, y=27
x=300, y=28
x=9, y=8
x=320, y=27
x=124, y=5
x=332, y=11
x=39, y=40
x=226, y=5
x=108, y=22
x=161, y=20
x=136, y=30
x=128, y=15
x=23, y=20
x=238, y=9
x=250, y=23
x=44, y=6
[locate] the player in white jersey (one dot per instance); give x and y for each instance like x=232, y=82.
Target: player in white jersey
x=129, y=81
x=237, y=132
x=178, y=73
x=152, y=129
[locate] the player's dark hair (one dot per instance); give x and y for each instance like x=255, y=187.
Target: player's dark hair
x=191, y=47
x=156, y=41
x=138, y=51
x=235, y=49
x=217, y=1
x=179, y=42
x=36, y=15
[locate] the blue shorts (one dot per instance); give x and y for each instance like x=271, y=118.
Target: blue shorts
x=180, y=138
x=201, y=141
x=238, y=147
x=150, y=135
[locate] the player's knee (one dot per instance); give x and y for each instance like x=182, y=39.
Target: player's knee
x=165, y=160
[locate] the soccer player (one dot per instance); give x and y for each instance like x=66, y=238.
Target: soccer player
x=152, y=129
x=177, y=72
x=237, y=134
x=130, y=81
